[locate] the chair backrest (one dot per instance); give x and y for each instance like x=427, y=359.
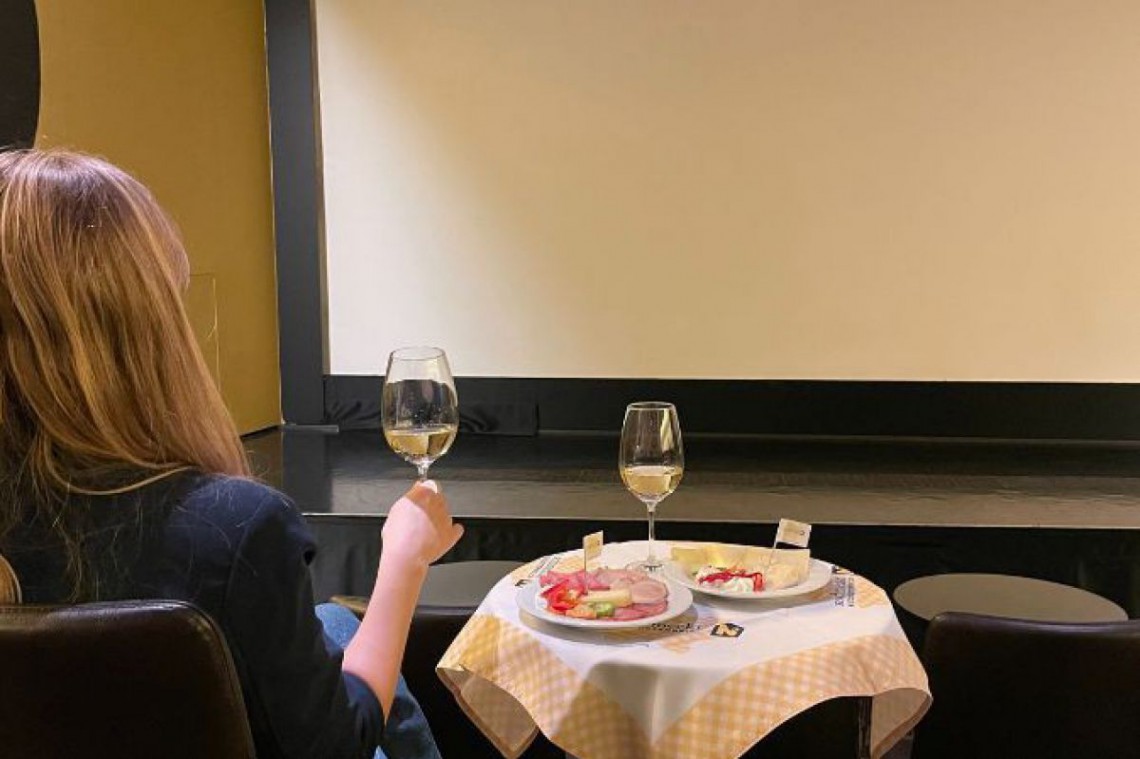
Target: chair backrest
x=124, y=679
x=1009, y=688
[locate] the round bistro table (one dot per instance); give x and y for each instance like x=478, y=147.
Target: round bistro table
x=709, y=683
x=1006, y=596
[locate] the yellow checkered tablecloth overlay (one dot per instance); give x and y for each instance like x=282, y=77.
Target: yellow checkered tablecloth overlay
x=674, y=691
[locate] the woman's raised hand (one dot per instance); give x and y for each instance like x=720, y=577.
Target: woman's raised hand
x=419, y=527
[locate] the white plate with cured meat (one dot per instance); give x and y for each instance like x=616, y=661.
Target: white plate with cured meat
x=604, y=599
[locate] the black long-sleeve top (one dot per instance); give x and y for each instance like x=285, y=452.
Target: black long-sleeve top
x=239, y=551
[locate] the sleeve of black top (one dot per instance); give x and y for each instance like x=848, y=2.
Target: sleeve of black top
x=298, y=697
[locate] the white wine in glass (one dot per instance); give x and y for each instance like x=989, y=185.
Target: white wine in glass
x=651, y=460
x=419, y=409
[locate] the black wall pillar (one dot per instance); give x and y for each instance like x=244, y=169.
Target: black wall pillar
x=296, y=205
x=19, y=73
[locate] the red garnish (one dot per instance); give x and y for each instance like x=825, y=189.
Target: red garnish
x=732, y=574
x=561, y=596
x=556, y=589
x=720, y=577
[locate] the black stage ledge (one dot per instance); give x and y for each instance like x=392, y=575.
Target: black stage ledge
x=830, y=408
x=889, y=509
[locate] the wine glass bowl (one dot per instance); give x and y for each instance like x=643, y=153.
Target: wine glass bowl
x=419, y=409
x=651, y=460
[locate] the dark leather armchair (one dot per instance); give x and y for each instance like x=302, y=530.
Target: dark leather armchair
x=126, y=679
x=1012, y=688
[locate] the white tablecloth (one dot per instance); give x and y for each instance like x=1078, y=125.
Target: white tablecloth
x=675, y=690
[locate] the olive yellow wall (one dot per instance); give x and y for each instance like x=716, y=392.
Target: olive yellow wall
x=175, y=92
x=881, y=189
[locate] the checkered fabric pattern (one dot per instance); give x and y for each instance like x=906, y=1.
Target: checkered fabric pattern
x=512, y=682
x=509, y=684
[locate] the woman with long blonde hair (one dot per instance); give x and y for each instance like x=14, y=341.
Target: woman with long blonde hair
x=122, y=475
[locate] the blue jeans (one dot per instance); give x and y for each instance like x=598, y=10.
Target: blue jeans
x=406, y=731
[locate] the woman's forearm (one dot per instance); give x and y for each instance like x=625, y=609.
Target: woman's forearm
x=417, y=531
x=377, y=649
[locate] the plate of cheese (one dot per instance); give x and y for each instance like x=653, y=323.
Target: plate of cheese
x=736, y=571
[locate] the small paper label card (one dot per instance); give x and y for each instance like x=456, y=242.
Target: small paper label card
x=591, y=548
x=793, y=533
x=727, y=630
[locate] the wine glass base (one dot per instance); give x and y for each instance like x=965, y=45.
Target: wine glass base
x=648, y=566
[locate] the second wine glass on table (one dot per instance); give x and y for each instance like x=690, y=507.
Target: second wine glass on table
x=419, y=409
x=651, y=460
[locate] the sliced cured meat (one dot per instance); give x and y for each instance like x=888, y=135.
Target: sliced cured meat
x=594, y=581
x=607, y=576
x=639, y=611
x=626, y=613
x=564, y=590
x=651, y=610
x=552, y=578
x=580, y=581
x=648, y=592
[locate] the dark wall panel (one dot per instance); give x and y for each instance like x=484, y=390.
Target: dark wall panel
x=19, y=73
x=992, y=410
x=297, y=207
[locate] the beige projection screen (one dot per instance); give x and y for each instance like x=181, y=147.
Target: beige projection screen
x=828, y=189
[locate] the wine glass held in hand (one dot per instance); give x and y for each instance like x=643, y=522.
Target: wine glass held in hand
x=419, y=409
x=651, y=460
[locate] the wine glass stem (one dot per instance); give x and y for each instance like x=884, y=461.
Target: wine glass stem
x=423, y=470
x=651, y=508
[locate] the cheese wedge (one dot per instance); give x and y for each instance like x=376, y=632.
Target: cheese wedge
x=788, y=567
x=799, y=560
x=780, y=576
x=725, y=555
x=755, y=558
x=619, y=597
x=690, y=557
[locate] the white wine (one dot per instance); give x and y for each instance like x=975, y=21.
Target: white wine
x=421, y=444
x=650, y=482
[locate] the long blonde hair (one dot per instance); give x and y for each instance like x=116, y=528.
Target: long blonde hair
x=102, y=386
